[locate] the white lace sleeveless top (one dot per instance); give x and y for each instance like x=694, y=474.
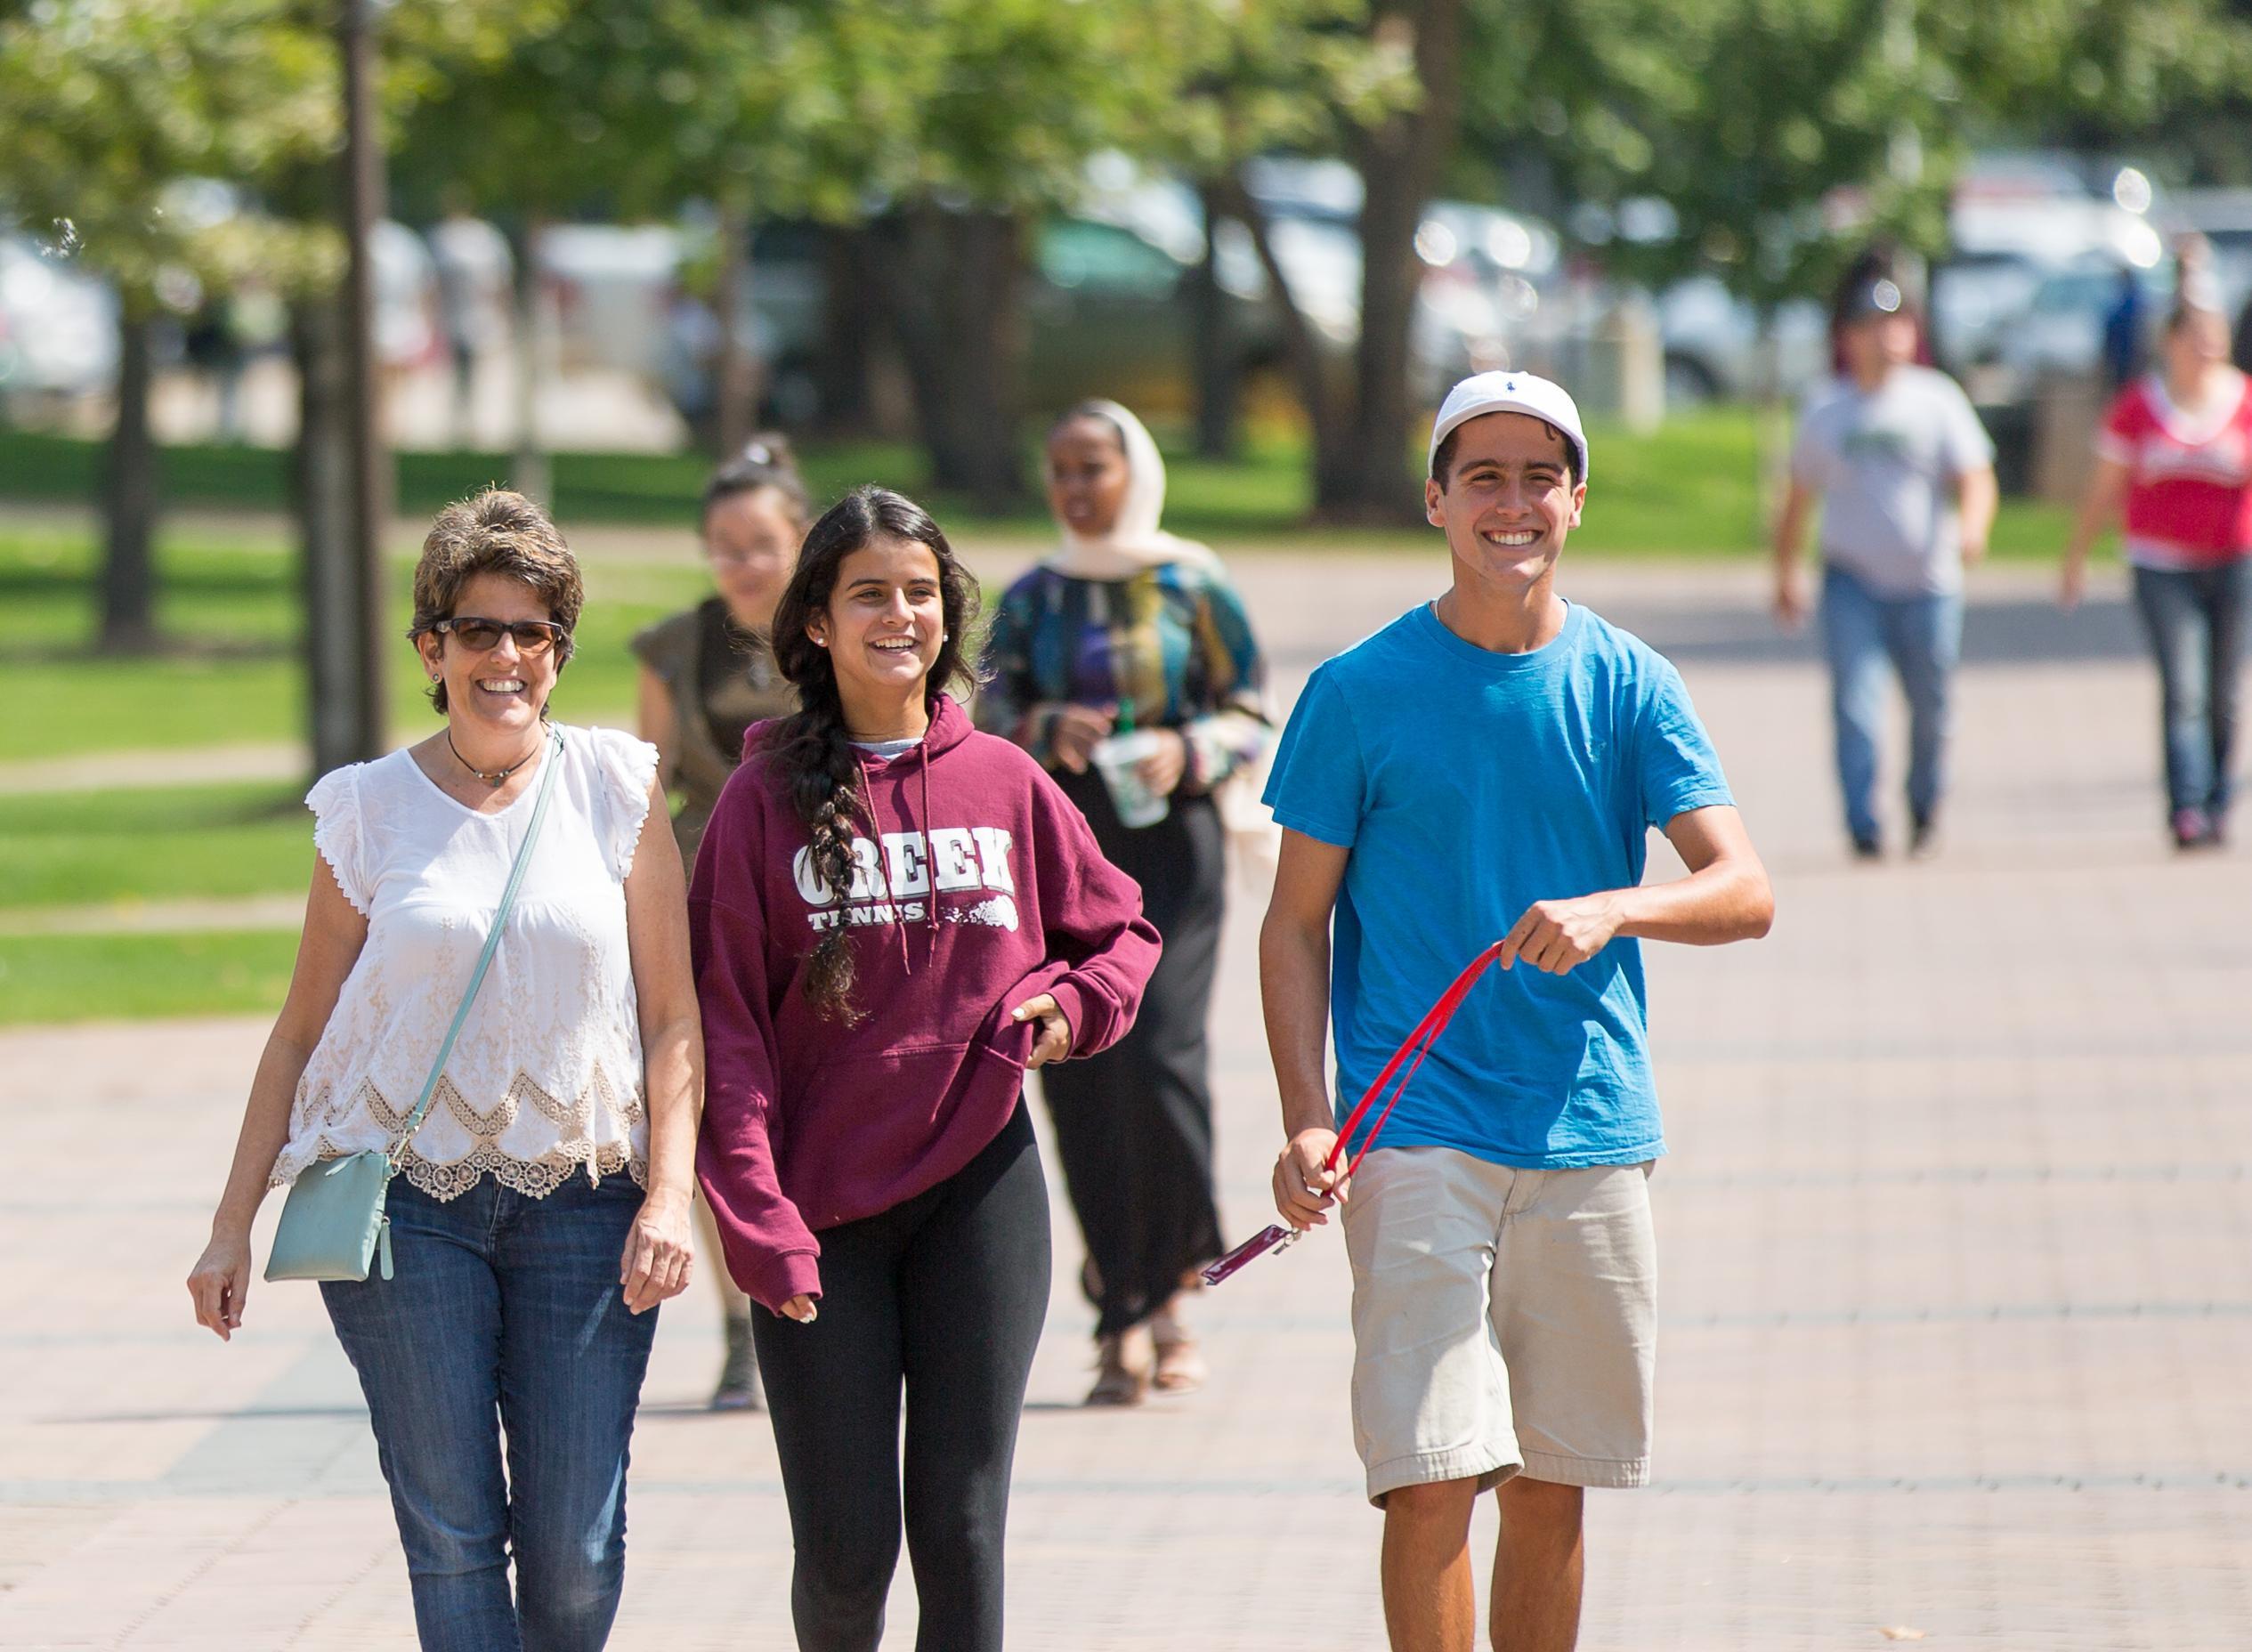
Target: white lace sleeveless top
x=546, y=1074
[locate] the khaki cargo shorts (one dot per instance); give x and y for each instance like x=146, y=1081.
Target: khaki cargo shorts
x=1502, y=1319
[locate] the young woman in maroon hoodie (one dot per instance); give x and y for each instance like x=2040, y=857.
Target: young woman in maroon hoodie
x=893, y=918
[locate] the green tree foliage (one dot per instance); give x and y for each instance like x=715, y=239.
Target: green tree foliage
x=2097, y=70
x=2114, y=74
x=1305, y=79
x=106, y=107
x=1746, y=118
x=1783, y=134
x=946, y=127
x=987, y=114
x=633, y=108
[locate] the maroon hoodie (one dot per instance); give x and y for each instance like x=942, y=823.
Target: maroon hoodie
x=979, y=886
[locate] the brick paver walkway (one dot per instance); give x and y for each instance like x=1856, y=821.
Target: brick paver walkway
x=1957, y=1299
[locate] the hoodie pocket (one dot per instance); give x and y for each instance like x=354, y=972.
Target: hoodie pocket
x=876, y=1129
x=1013, y=1041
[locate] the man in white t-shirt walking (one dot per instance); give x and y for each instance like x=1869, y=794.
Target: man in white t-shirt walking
x=1904, y=474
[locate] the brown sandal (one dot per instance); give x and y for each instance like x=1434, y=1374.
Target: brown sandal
x=1180, y=1366
x=1121, y=1378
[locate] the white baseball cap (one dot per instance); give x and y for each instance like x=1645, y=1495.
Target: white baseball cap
x=1506, y=391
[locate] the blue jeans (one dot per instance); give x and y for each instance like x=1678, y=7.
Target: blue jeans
x=2195, y=618
x=1922, y=638
x=504, y=1314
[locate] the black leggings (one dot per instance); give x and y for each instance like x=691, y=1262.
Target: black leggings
x=944, y=1294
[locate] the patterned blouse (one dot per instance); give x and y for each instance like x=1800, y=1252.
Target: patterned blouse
x=1171, y=641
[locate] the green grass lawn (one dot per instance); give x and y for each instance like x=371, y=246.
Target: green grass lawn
x=236, y=675
x=70, y=848
x=1266, y=492
x=633, y=488
x=1688, y=489
x=231, y=608
x=240, y=680
x=102, y=977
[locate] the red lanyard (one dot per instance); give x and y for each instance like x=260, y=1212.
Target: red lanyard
x=1418, y=1045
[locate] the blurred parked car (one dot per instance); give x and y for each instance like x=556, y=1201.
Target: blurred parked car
x=406, y=299
x=1493, y=279
x=609, y=283
x=1715, y=351
x=1108, y=316
x=1485, y=272
x=1974, y=298
x=2055, y=232
x=1105, y=300
x=1103, y=306
x=2224, y=217
x=2034, y=280
x=2061, y=332
x=58, y=327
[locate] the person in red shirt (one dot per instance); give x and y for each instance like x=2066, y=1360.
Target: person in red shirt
x=2174, y=461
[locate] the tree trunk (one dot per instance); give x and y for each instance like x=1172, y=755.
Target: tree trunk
x=737, y=376
x=953, y=282
x=129, y=498
x=372, y=485
x=530, y=472
x=1308, y=364
x=1218, y=364
x=852, y=313
x=344, y=727
x=1364, y=478
x=1772, y=422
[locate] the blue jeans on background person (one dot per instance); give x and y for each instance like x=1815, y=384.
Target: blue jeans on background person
x=1922, y=638
x=505, y=1312
x=2195, y=619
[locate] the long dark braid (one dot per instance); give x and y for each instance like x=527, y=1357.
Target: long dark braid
x=812, y=749
x=823, y=773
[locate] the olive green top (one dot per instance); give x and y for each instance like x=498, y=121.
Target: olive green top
x=723, y=680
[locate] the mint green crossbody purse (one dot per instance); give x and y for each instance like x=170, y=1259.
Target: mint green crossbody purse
x=333, y=1226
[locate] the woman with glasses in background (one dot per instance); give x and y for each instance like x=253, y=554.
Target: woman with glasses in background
x=541, y=1210
x=707, y=675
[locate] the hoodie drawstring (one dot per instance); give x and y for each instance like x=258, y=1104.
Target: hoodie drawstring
x=930, y=872
x=876, y=821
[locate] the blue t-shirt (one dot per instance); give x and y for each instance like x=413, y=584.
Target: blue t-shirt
x=1469, y=785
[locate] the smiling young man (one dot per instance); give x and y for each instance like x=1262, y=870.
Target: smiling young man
x=1488, y=767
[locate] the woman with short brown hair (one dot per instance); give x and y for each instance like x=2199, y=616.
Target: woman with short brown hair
x=540, y=1210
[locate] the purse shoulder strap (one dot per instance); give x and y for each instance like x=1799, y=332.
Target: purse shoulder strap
x=492, y=943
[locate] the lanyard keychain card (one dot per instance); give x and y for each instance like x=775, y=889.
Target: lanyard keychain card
x=1277, y=1236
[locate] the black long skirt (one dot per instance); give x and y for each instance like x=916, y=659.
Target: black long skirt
x=1134, y=1125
